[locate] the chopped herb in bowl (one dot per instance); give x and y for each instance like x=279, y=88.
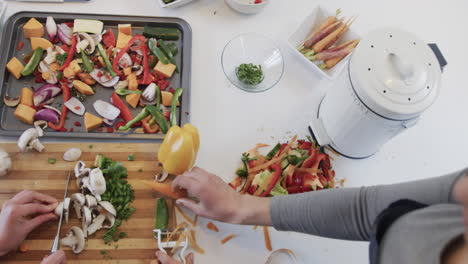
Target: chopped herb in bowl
x=249, y=73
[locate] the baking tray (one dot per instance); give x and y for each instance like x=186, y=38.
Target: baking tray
x=13, y=33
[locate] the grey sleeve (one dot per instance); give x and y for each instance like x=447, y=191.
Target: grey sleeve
x=349, y=213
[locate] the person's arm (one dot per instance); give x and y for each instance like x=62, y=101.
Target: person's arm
x=349, y=213
x=336, y=213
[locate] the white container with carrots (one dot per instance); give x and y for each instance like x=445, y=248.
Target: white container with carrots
x=391, y=79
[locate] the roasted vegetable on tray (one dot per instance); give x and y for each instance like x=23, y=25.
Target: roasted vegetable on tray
x=81, y=53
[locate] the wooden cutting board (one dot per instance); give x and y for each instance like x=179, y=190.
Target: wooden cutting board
x=32, y=171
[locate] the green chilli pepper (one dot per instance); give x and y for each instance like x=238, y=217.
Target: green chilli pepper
x=157, y=51
x=168, y=52
x=103, y=54
x=144, y=113
x=175, y=99
x=33, y=62
x=162, y=214
x=88, y=65
x=158, y=117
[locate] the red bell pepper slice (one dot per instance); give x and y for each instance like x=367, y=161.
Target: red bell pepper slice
x=71, y=54
x=309, y=181
x=305, y=145
x=150, y=129
x=235, y=183
x=124, y=111
x=276, y=176
x=66, y=96
x=294, y=189
x=326, y=167
x=109, y=38
x=147, y=79
x=115, y=62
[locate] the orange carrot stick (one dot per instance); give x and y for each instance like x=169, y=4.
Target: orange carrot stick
x=226, y=239
x=320, y=35
x=166, y=189
x=341, y=33
x=212, y=226
x=332, y=62
x=332, y=37
x=267, y=238
x=330, y=20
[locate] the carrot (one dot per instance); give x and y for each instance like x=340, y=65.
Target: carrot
x=326, y=55
x=181, y=237
x=330, y=20
x=212, y=226
x=24, y=247
x=226, y=239
x=346, y=28
x=195, y=220
x=192, y=222
x=309, y=170
x=343, y=45
x=266, y=234
x=274, y=160
x=178, y=227
x=321, y=34
x=165, y=188
x=332, y=62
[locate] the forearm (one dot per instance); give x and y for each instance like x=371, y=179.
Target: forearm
x=350, y=213
x=253, y=211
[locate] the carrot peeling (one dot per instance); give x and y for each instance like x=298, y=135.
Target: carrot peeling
x=267, y=238
x=212, y=226
x=190, y=220
x=226, y=239
x=193, y=242
x=23, y=248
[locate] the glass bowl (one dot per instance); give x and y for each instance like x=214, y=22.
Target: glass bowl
x=258, y=50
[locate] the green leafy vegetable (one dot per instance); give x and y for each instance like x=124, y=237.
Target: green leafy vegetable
x=249, y=73
x=52, y=160
x=61, y=58
x=131, y=157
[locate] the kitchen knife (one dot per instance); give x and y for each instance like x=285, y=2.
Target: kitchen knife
x=56, y=244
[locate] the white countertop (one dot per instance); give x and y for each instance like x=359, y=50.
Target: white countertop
x=231, y=121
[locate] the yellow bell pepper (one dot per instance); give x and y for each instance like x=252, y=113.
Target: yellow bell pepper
x=178, y=151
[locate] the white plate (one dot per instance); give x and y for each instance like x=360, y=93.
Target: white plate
x=174, y=4
x=313, y=21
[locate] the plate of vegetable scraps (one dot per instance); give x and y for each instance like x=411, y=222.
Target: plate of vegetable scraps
x=98, y=76
x=294, y=167
x=324, y=41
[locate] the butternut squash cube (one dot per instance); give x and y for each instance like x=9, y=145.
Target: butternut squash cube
x=125, y=29
x=122, y=40
x=40, y=43
x=26, y=96
x=91, y=121
x=33, y=28
x=165, y=70
x=15, y=67
x=83, y=87
x=25, y=113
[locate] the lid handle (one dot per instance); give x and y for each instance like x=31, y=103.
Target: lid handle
x=404, y=70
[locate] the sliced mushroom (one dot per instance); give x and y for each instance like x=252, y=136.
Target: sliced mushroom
x=96, y=224
x=108, y=207
x=86, y=220
x=138, y=69
x=125, y=61
x=72, y=154
x=75, y=239
x=29, y=140
x=110, y=220
x=63, y=207
x=84, y=184
x=85, y=41
x=121, y=85
x=91, y=202
x=81, y=170
x=41, y=125
x=11, y=102
x=78, y=201
x=97, y=183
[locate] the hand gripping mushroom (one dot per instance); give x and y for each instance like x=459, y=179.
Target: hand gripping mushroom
x=78, y=200
x=74, y=239
x=5, y=162
x=29, y=140
x=63, y=207
x=97, y=183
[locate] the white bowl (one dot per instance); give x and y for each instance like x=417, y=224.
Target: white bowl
x=246, y=6
x=311, y=22
x=174, y=4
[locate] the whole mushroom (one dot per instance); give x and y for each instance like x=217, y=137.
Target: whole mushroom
x=75, y=239
x=5, y=162
x=29, y=140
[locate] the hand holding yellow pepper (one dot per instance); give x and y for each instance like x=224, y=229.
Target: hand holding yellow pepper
x=178, y=151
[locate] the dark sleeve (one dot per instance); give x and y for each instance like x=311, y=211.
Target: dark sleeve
x=349, y=213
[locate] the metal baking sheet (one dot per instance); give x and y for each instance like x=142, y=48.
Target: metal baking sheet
x=13, y=33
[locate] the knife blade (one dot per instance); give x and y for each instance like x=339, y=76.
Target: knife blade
x=56, y=244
